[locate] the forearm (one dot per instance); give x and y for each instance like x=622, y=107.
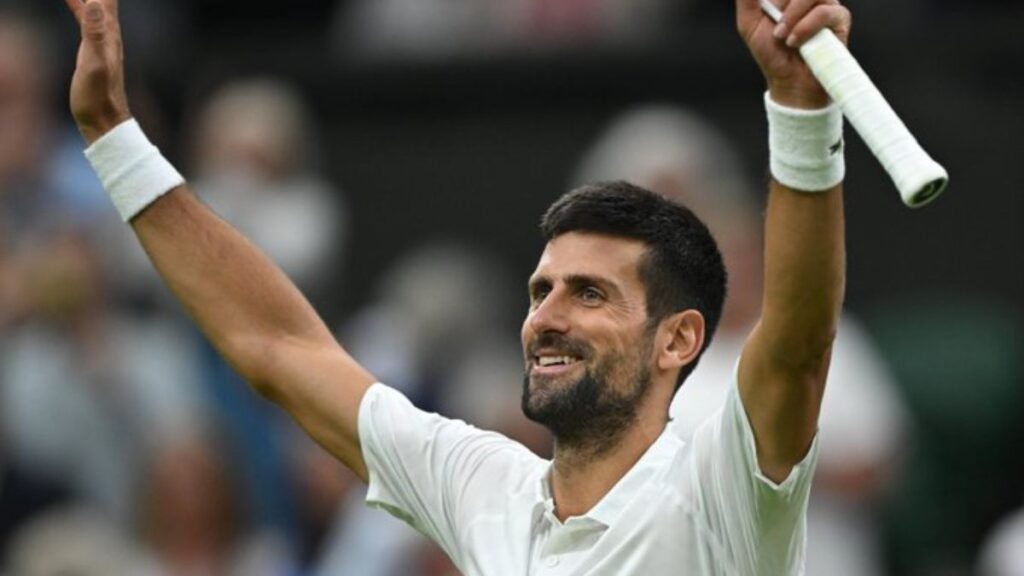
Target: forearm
x=805, y=262
x=785, y=362
x=238, y=297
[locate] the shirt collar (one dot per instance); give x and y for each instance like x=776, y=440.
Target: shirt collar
x=542, y=501
x=610, y=508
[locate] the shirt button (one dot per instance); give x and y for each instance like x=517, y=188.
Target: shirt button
x=551, y=561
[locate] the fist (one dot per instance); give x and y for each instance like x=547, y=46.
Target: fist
x=775, y=46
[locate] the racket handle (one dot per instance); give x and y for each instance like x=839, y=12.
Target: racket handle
x=918, y=177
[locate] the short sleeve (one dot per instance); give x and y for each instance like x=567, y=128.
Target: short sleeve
x=762, y=523
x=432, y=472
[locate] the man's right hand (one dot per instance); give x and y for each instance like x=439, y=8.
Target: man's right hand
x=244, y=304
x=98, y=98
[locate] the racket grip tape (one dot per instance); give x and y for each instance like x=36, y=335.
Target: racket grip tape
x=918, y=177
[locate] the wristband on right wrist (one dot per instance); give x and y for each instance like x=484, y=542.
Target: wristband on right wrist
x=806, y=146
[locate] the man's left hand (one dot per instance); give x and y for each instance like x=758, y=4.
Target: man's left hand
x=775, y=46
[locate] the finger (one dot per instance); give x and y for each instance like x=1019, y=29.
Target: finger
x=820, y=17
x=94, y=22
x=113, y=21
x=76, y=7
x=794, y=11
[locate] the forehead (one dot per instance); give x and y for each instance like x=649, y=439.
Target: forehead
x=588, y=254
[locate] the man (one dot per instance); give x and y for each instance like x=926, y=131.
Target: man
x=862, y=424
x=623, y=302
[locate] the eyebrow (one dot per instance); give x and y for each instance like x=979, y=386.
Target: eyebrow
x=577, y=281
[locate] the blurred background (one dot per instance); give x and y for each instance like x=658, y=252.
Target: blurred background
x=394, y=157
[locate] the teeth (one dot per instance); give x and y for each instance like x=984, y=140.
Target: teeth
x=552, y=360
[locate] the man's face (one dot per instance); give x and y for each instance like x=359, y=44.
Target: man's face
x=586, y=341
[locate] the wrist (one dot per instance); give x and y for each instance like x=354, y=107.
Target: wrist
x=132, y=170
x=806, y=146
x=800, y=97
x=95, y=127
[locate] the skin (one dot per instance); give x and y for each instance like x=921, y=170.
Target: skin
x=592, y=277
x=273, y=337
x=587, y=288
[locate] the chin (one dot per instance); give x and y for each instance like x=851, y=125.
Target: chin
x=537, y=393
x=550, y=400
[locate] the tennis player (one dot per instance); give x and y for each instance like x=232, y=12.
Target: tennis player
x=623, y=302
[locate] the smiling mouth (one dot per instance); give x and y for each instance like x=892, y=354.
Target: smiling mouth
x=552, y=364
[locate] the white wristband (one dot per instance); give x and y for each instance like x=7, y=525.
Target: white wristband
x=132, y=170
x=806, y=146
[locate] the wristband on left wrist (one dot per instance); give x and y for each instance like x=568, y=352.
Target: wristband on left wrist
x=806, y=146
x=132, y=170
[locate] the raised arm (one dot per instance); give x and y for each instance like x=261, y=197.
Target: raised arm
x=785, y=361
x=244, y=304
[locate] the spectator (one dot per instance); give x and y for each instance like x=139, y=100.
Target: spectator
x=193, y=525
x=255, y=158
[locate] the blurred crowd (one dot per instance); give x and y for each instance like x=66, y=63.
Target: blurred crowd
x=128, y=447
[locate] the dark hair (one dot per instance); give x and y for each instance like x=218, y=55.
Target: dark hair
x=682, y=269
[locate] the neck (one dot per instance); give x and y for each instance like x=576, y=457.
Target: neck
x=583, y=473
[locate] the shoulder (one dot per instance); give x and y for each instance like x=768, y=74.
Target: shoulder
x=391, y=426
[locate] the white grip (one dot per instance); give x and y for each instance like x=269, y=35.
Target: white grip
x=918, y=178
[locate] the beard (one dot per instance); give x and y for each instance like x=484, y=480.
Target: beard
x=593, y=412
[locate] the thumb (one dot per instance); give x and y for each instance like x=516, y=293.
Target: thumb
x=94, y=22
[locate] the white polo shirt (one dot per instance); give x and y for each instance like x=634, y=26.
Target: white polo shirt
x=685, y=509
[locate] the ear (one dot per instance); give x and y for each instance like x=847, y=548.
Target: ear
x=679, y=340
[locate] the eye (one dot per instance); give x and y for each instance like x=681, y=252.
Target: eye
x=591, y=295
x=538, y=293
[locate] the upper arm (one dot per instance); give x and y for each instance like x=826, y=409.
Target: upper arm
x=782, y=402
x=761, y=520
x=321, y=387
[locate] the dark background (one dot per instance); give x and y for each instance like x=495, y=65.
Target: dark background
x=475, y=148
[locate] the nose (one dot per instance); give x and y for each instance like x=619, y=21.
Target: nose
x=550, y=315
